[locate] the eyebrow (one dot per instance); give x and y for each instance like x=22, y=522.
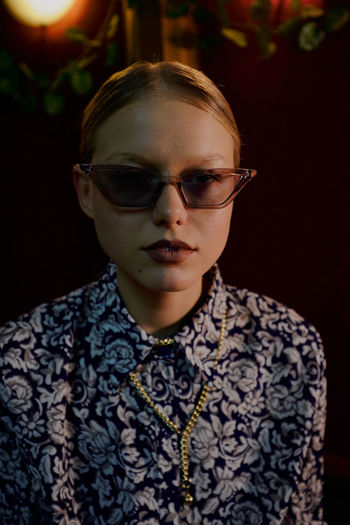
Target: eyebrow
x=134, y=157
x=131, y=157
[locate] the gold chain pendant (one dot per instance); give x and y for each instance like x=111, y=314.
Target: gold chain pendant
x=165, y=342
x=184, y=434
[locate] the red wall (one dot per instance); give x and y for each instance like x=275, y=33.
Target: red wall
x=290, y=230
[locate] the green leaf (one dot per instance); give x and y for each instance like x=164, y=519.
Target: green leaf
x=237, y=37
x=288, y=27
x=112, y=26
x=336, y=18
x=310, y=36
x=111, y=54
x=86, y=61
x=95, y=43
x=263, y=36
x=71, y=64
x=6, y=61
x=133, y=3
x=294, y=5
x=260, y=9
x=311, y=11
x=76, y=34
x=81, y=81
x=209, y=41
x=8, y=85
x=27, y=72
x=53, y=103
x=269, y=50
x=203, y=15
x=224, y=18
x=177, y=9
x=264, y=42
x=222, y=13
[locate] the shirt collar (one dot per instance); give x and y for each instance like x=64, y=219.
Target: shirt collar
x=111, y=324
x=200, y=336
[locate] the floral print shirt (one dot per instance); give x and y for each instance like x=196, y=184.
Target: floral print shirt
x=79, y=445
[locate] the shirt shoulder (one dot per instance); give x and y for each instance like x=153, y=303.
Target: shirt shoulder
x=37, y=354
x=273, y=327
x=49, y=326
x=267, y=313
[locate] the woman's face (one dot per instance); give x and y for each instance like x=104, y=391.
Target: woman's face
x=171, y=137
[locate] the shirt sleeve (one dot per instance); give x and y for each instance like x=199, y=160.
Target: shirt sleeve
x=15, y=487
x=14, y=483
x=307, y=500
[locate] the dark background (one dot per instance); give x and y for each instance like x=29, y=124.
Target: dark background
x=290, y=230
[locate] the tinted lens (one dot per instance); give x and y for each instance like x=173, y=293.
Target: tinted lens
x=127, y=187
x=210, y=189
x=133, y=187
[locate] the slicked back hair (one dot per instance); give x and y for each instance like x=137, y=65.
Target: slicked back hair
x=142, y=79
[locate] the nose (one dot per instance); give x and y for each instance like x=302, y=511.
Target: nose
x=169, y=209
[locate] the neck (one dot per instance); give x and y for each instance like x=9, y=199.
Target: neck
x=161, y=313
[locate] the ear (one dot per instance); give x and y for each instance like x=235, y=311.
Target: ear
x=83, y=185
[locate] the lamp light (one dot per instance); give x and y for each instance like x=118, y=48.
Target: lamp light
x=38, y=12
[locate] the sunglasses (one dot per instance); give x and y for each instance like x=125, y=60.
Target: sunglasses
x=134, y=187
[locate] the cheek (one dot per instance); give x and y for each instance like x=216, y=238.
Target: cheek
x=115, y=230
x=217, y=228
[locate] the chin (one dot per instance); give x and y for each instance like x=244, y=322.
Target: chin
x=171, y=280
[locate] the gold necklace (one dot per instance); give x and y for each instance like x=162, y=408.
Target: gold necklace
x=183, y=434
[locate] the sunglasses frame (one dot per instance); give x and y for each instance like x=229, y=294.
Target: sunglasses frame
x=245, y=174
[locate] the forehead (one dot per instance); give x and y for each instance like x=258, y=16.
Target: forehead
x=165, y=129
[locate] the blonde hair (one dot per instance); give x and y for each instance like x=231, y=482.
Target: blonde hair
x=142, y=79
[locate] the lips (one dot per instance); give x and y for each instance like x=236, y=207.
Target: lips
x=169, y=251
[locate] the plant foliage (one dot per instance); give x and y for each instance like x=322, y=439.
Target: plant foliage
x=306, y=24
x=30, y=91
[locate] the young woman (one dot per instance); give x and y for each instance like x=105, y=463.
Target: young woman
x=157, y=394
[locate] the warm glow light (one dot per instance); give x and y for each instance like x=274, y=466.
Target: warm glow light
x=38, y=12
